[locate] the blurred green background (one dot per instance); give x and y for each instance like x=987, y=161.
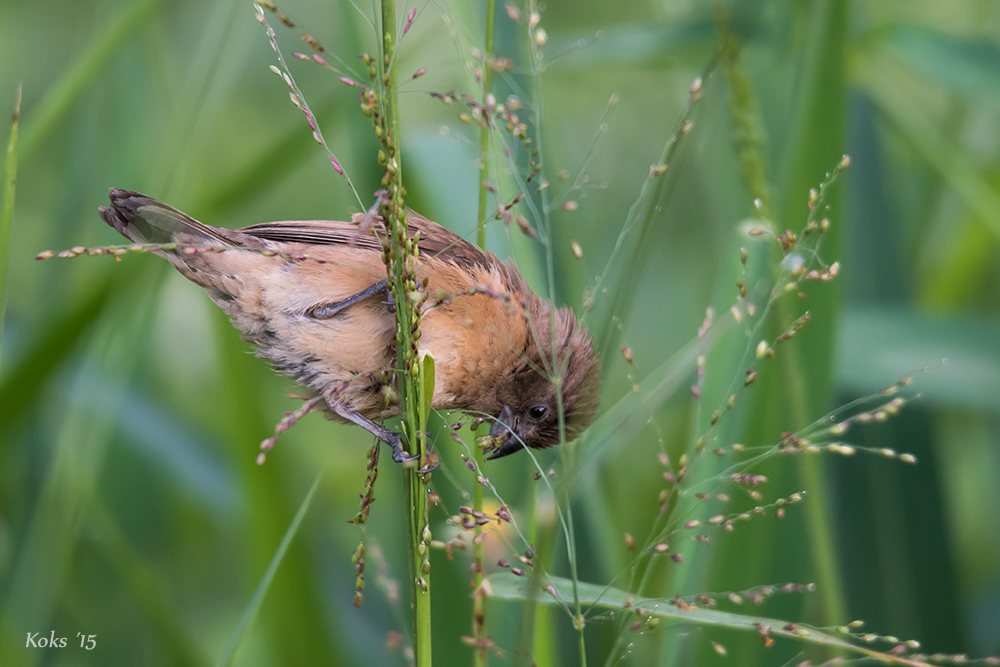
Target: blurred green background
x=131, y=507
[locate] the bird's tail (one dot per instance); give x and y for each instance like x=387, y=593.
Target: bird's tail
x=143, y=219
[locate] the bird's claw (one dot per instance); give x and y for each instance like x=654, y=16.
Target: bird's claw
x=432, y=464
x=400, y=455
x=389, y=302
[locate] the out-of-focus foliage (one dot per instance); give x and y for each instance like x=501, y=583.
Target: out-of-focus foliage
x=131, y=507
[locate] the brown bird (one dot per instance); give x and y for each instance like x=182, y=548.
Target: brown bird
x=329, y=324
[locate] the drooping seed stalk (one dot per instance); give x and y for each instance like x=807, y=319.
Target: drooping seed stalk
x=415, y=373
x=480, y=658
x=536, y=38
x=484, y=143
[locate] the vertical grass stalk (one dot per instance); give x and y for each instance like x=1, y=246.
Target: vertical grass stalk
x=479, y=598
x=415, y=373
x=7, y=213
x=816, y=142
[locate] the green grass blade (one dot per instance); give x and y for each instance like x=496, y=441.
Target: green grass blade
x=29, y=375
x=240, y=633
x=953, y=165
x=285, y=154
x=98, y=53
x=148, y=591
x=968, y=66
x=817, y=145
x=7, y=212
x=876, y=343
x=632, y=44
x=507, y=586
x=72, y=476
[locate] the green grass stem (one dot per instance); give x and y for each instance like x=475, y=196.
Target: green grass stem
x=480, y=658
x=416, y=382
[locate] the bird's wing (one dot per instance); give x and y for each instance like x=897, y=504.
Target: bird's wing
x=146, y=220
x=314, y=232
x=436, y=242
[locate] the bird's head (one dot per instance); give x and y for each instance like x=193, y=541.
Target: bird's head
x=528, y=396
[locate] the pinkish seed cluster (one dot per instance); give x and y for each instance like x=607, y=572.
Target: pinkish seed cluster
x=287, y=421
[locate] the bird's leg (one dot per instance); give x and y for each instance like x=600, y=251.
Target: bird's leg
x=327, y=310
x=389, y=302
x=391, y=438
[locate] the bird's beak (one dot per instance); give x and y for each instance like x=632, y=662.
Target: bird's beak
x=504, y=426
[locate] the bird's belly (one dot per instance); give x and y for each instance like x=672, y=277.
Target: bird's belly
x=349, y=358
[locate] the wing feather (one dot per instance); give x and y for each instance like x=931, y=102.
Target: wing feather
x=435, y=240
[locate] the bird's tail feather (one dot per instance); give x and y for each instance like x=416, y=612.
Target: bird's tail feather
x=143, y=219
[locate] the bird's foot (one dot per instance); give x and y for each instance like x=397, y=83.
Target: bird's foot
x=389, y=302
x=391, y=438
x=399, y=455
x=432, y=463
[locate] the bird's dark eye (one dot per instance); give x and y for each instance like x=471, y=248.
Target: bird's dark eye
x=538, y=411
